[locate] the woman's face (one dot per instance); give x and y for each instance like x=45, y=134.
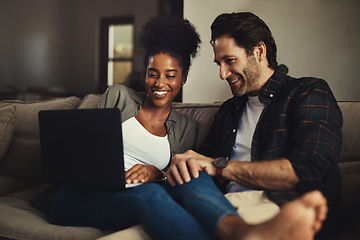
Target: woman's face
x=164, y=78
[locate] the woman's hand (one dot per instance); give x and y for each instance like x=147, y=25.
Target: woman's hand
x=143, y=173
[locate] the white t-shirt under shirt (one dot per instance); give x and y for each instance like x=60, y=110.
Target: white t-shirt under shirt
x=142, y=147
x=244, y=135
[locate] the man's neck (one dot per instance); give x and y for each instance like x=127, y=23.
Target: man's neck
x=264, y=76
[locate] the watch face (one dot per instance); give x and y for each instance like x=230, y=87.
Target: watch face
x=221, y=162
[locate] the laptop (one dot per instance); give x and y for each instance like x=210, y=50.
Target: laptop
x=83, y=147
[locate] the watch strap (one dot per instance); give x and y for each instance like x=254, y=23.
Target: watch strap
x=219, y=172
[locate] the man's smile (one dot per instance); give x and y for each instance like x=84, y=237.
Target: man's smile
x=234, y=81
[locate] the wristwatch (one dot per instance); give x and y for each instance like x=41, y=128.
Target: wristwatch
x=220, y=163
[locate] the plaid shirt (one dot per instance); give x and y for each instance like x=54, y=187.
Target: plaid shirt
x=301, y=122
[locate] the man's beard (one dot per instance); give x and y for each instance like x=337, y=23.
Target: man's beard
x=249, y=81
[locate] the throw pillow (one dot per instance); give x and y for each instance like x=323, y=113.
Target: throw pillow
x=7, y=115
x=23, y=158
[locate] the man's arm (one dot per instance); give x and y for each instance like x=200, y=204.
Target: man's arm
x=276, y=174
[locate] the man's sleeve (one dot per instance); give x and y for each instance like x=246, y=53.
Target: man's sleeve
x=317, y=122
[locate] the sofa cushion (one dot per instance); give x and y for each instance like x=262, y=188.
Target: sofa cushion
x=203, y=114
x=136, y=232
x=10, y=184
x=23, y=158
x=19, y=220
x=351, y=183
x=350, y=150
x=16, y=210
x=7, y=114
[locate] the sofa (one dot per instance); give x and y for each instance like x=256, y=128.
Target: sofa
x=21, y=175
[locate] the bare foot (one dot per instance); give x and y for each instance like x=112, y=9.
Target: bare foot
x=300, y=219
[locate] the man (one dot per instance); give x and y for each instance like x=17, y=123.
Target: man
x=278, y=134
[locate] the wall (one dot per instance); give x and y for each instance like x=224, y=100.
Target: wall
x=314, y=38
x=55, y=43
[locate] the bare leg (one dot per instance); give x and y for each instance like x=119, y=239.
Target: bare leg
x=299, y=219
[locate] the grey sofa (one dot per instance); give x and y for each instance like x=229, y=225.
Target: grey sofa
x=21, y=172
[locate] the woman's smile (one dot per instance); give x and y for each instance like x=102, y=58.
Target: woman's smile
x=161, y=93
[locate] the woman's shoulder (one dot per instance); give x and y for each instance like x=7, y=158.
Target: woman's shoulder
x=124, y=92
x=182, y=119
x=119, y=95
x=121, y=89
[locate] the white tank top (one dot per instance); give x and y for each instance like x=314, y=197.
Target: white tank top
x=142, y=147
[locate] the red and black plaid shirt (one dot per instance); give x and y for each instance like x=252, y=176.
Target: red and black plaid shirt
x=301, y=121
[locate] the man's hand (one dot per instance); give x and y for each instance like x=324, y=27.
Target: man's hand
x=143, y=173
x=186, y=164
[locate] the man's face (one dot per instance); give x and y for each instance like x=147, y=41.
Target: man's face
x=236, y=67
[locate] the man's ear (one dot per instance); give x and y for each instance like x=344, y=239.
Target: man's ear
x=260, y=51
x=184, y=78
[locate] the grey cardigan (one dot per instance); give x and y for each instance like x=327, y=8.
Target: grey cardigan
x=180, y=128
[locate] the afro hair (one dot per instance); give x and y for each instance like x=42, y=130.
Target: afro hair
x=174, y=36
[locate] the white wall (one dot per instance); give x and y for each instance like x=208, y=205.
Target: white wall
x=314, y=38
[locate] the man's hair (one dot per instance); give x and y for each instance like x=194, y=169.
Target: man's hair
x=173, y=36
x=248, y=30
